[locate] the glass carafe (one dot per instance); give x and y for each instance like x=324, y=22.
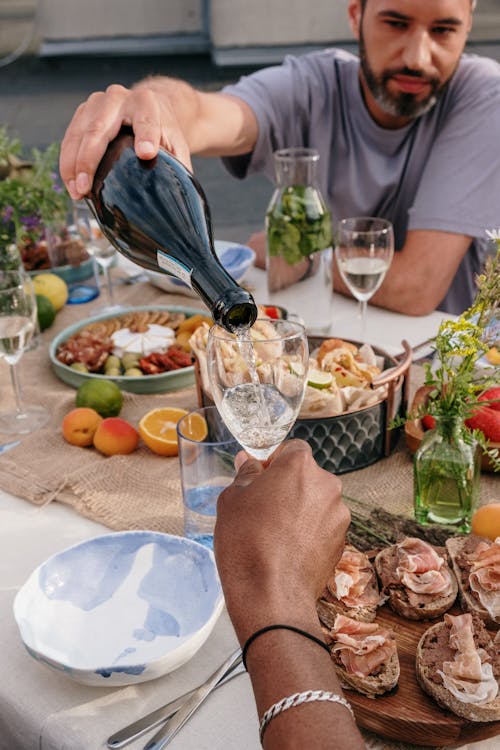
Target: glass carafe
x=299, y=240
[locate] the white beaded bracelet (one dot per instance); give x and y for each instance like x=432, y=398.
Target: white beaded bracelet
x=295, y=700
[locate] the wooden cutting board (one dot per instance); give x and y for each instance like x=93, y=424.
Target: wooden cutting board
x=408, y=714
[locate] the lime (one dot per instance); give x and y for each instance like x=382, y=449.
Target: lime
x=53, y=287
x=103, y=396
x=319, y=379
x=46, y=311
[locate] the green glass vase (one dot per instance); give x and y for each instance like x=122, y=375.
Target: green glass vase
x=446, y=474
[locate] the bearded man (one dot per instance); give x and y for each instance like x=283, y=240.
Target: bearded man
x=407, y=131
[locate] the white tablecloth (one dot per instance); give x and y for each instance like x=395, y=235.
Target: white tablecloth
x=44, y=710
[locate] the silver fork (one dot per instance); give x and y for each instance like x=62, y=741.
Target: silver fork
x=160, y=715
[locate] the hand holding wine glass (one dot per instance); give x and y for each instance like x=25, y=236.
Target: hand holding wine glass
x=258, y=379
x=364, y=252
x=18, y=314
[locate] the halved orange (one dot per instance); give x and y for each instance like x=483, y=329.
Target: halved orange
x=195, y=427
x=158, y=430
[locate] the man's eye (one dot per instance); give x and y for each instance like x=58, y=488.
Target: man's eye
x=443, y=30
x=396, y=24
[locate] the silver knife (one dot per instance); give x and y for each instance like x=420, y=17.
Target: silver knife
x=173, y=725
x=150, y=721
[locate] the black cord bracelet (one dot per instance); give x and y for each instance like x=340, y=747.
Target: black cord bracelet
x=280, y=627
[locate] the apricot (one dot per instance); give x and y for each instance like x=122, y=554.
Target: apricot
x=79, y=426
x=486, y=521
x=115, y=436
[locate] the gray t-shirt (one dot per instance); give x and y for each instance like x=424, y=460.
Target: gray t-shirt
x=440, y=172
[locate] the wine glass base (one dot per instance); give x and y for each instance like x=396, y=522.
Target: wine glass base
x=32, y=418
x=111, y=309
x=80, y=293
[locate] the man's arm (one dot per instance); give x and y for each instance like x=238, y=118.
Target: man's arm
x=279, y=532
x=420, y=273
x=162, y=111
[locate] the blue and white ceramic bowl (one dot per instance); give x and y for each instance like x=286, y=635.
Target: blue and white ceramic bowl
x=236, y=259
x=120, y=608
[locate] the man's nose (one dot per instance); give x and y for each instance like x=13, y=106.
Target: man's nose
x=417, y=53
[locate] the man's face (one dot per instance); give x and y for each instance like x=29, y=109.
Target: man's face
x=409, y=49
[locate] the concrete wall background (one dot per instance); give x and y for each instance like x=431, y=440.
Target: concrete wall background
x=73, y=19
x=171, y=26
x=235, y=23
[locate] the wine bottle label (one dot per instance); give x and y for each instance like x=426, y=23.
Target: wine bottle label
x=174, y=267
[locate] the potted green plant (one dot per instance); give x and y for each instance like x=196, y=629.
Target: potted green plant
x=34, y=213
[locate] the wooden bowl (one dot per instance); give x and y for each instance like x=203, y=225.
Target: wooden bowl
x=414, y=429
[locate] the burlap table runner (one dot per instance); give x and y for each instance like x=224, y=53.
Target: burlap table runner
x=141, y=490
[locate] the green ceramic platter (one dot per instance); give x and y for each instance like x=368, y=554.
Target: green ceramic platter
x=166, y=381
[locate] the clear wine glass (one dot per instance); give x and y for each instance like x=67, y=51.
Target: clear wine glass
x=18, y=315
x=364, y=251
x=99, y=247
x=258, y=378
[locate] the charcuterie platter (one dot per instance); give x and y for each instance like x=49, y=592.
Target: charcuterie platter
x=66, y=350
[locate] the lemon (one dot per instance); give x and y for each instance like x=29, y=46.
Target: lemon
x=53, y=287
x=46, y=311
x=103, y=396
x=319, y=379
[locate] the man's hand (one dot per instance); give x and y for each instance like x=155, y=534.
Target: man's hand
x=279, y=532
x=98, y=120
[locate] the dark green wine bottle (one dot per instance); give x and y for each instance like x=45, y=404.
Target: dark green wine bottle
x=156, y=214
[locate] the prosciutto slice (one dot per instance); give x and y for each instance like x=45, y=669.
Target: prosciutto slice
x=421, y=569
x=469, y=677
x=484, y=577
x=362, y=646
x=354, y=581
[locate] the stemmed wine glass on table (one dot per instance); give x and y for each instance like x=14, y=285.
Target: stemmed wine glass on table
x=18, y=315
x=258, y=381
x=98, y=247
x=364, y=251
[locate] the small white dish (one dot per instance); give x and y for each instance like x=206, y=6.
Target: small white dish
x=120, y=608
x=235, y=258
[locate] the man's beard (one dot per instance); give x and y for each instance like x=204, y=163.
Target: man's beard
x=402, y=104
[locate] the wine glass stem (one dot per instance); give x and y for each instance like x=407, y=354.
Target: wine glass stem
x=16, y=387
x=109, y=285
x=362, y=313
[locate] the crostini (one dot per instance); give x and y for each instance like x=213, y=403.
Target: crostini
x=416, y=579
x=364, y=654
x=458, y=664
x=351, y=590
x=476, y=562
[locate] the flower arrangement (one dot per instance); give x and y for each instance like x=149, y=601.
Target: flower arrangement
x=31, y=198
x=454, y=379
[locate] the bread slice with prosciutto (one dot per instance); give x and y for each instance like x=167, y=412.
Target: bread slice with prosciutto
x=458, y=664
x=416, y=578
x=351, y=590
x=476, y=562
x=364, y=654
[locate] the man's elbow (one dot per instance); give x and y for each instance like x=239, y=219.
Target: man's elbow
x=419, y=307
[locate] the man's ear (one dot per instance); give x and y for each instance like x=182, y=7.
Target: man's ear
x=354, y=13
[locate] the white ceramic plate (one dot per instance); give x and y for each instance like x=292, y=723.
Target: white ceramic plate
x=235, y=258
x=120, y=608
